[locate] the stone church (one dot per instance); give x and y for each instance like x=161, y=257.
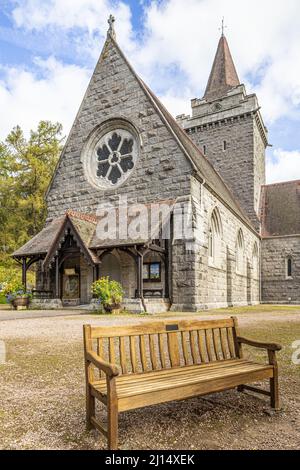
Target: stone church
x=245, y=242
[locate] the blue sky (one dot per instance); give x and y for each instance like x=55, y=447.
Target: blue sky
x=48, y=49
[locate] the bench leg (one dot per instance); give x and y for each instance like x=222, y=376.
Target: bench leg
x=90, y=408
x=274, y=388
x=241, y=388
x=112, y=427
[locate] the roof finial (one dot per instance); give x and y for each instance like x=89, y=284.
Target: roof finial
x=111, y=21
x=223, y=26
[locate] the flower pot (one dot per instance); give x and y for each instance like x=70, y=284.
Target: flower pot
x=111, y=308
x=20, y=302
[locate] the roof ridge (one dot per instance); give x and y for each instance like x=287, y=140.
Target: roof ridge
x=281, y=183
x=81, y=216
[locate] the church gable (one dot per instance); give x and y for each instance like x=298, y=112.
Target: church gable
x=119, y=145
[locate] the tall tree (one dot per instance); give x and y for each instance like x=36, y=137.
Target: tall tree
x=26, y=168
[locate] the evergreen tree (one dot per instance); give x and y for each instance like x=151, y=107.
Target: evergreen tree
x=26, y=168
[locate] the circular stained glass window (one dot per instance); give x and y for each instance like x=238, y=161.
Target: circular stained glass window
x=111, y=158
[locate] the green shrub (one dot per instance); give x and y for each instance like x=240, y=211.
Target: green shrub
x=109, y=292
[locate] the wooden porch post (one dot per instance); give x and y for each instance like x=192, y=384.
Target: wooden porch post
x=24, y=273
x=167, y=278
x=140, y=286
x=56, y=278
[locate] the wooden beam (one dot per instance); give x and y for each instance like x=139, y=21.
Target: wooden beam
x=56, y=278
x=156, y=248
x=24, y=273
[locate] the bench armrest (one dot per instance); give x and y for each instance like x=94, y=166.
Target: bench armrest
x=109, y=369
x=257, y=344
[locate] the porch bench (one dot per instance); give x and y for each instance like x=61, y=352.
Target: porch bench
x=131, y=367
x=151, y=293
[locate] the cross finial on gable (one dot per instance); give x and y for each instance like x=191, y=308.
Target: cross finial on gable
x=111, y=22
x=223, y=26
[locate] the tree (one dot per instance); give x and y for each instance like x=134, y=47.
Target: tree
x=26, y=168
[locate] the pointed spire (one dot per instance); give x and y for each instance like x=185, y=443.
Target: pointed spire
x=111, y=31
x=223, y=76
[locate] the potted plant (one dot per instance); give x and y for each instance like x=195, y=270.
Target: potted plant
x=16, y=294
x=109, y=293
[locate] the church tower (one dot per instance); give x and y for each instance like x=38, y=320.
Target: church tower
x=228, y=127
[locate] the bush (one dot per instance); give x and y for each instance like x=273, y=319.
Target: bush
x=9, y=274
x=109, y=292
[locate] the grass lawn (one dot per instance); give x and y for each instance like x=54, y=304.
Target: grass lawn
x=43, y=398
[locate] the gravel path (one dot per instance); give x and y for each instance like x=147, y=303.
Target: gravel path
x=43, y=399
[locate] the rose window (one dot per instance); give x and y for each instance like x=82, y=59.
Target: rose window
x=110, y=155
x=115, y=157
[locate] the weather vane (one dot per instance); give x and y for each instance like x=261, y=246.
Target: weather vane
x=223, y=27
x=111, y=22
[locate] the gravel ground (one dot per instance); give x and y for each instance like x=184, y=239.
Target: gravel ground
x=43, y=399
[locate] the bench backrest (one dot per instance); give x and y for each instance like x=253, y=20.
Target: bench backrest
x=164, y=344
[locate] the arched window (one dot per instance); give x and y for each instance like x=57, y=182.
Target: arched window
x=255, y=261
x=240, y=253
x=289, y=267
x=214, y=238
x=204, y=149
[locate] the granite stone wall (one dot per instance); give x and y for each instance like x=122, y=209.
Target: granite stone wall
x=242, y=163
x=162, y=171
x=277, y=287
x=217, y=283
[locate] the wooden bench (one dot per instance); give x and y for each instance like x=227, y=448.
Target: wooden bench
x=130, y=367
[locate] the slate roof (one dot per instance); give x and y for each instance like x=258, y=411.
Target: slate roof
x=280, y=209
x=42, y=243
x=151, y=233
x=223, y=76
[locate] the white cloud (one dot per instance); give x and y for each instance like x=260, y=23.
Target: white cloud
x=173, y=53
x=264, y=41
x=283, y=166
x=53, y=92
x=89, y=15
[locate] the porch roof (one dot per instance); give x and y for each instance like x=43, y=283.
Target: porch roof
x=44, y=241
x=148, y=234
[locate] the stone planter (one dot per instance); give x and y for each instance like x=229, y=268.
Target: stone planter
x=20, y=302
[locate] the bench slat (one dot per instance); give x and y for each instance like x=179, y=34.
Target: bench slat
x=201, y=346
x=184, y=347
x=123, y=359
x=216, y=342
x=193, y=347
x=162, y=351
x=153, y=356
x=143, y=353
x=173, y=349
x=208, y=345
x=230, y=342
x=112, y=352
x=133, y=354
x=223, y=344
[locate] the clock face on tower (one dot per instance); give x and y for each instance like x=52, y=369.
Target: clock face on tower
x=217, y=107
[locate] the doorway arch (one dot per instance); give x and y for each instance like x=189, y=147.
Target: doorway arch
x=111, y=267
